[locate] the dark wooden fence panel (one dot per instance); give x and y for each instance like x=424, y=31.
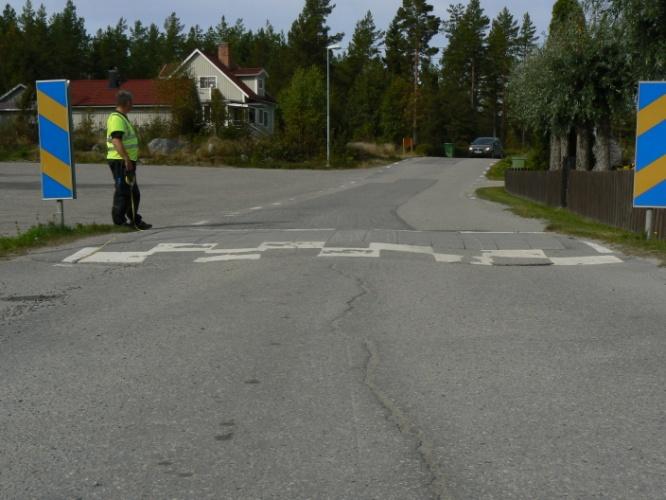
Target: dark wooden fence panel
x=603, y=196
x=544, y=187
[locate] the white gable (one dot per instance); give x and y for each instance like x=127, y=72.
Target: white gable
x=199, y=66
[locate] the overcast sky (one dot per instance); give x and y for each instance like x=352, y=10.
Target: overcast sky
x=280, y=12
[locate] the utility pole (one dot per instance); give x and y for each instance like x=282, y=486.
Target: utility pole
x=329, y=49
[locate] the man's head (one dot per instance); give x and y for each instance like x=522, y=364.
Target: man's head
x=124, y=101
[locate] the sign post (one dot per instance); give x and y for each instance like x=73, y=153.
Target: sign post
x=54, y=117
x=650, y=175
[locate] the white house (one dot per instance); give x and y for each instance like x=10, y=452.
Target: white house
x=243, y=89
x=10, y=102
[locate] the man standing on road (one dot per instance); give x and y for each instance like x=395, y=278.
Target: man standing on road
x=123, y=153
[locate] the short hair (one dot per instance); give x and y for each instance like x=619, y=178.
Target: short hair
x=124, y=98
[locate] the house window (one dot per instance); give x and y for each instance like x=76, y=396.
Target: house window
x=207, y=82
x=260, y=85
x=252, y=116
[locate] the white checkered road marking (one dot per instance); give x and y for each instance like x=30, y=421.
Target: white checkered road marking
x=212, y=253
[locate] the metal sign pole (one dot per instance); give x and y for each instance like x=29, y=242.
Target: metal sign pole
x=61, y=212
x=649, y=223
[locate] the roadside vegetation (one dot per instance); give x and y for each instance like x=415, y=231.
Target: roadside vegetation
x=43, y=235
x=390, y=82
x=563, y=221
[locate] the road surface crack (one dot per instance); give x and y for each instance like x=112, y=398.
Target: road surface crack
x=394, y=413
x=405, y=425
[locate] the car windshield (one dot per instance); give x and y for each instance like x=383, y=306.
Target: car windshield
x=483, y=141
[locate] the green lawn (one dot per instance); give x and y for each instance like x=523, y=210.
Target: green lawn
x=563, y=221
x=48, y=234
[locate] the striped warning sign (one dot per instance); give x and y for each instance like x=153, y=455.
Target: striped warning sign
x=55, y=141
x=650, y=177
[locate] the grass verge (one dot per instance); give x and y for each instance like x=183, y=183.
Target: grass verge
x=563, y=221
x=497, y=171
x=50, y=234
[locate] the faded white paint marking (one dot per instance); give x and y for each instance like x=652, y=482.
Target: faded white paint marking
x=81, y=254
x=349, y=252
x=488, y=257
x=256, y=208
x=599, y=248
x=278, y=204
x=116, y=258
x=227, y=258
x=181, y=247
x=586, y=261
x=201, y=223
x=292, y=245
x=393, y=247
x=447, y=259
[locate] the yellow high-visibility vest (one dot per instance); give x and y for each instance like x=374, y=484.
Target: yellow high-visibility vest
x=119, y=123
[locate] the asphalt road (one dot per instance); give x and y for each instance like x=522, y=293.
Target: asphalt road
x=371, y=334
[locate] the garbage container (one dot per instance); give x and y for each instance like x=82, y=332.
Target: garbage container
x=449, y=149
x=518, y=162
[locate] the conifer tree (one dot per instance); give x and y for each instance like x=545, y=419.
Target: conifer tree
x=310, y=34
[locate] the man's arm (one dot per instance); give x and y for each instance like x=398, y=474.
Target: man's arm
x=120, y=148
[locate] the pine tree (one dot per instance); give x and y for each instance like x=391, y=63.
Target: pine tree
x=35, y=62
x=174, y=39
x=310, y=35
x=365, y=44
x=527, y=38
x=416, y=25
x=69, y=48
x=462, y=68
x=194, y=40
x=10, y=40
x=110, y=50
x=502, y=45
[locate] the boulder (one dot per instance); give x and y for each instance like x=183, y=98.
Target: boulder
x=164, y=147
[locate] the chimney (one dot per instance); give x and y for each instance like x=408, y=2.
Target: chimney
x=114, y=79
x=224, y=54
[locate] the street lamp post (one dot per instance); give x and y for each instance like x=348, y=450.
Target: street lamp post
x=329, y=49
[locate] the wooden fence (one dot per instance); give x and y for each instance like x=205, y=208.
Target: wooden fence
x=603, y=196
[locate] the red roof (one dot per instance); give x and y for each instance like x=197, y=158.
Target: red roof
x=97, y=93
x=248, y=71
x=231, y=74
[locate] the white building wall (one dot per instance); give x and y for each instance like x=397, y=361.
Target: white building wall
x=140, y=116
x=199, y=67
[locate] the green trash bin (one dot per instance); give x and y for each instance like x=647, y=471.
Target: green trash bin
x=518, y=162
x=449, y=149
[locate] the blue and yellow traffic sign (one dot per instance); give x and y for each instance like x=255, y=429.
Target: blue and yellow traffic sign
x=55, y=140
x=650, y=176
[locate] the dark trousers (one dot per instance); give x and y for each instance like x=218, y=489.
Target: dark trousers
x=123, y=196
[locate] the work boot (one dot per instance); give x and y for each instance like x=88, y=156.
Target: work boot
x=143, y=226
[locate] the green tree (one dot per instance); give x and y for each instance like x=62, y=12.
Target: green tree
x=218, y=112
x=146, y=51
x=110, y=49
x=462, y=68
x=416, y=25
x=35, y=44
x=303, y=105
x=527, y=38
x=395, y=105
x=182, y=95
x=69, y=47
x=643, y=25
x=310, y=34
x=174, y=40
x=502, y=45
